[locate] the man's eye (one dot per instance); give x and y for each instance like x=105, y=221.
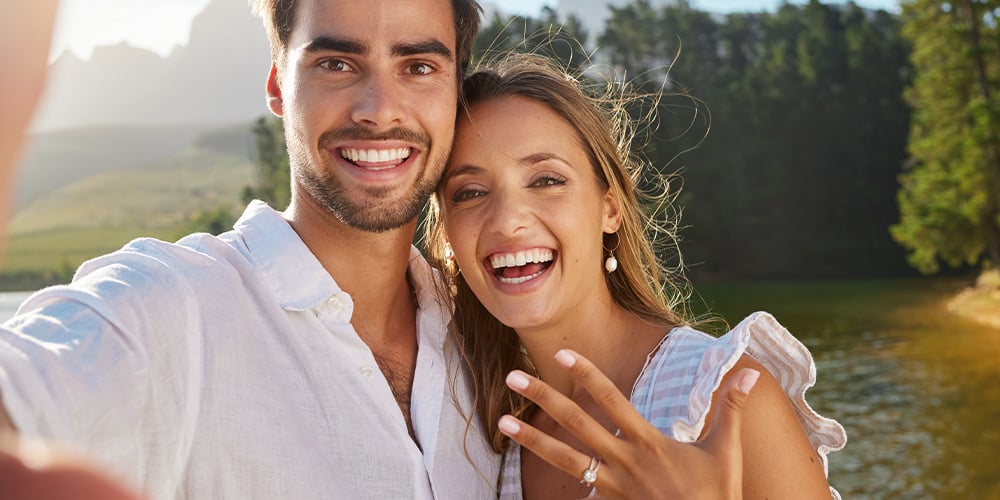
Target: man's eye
x=335, y=65
x=421, y=69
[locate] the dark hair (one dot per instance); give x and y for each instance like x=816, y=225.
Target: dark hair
x=279, y=19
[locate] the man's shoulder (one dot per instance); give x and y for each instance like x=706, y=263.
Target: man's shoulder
x=195, y=250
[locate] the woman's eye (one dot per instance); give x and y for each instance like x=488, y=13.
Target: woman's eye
x=336, y=65
x=548, y=181
x=466, y=194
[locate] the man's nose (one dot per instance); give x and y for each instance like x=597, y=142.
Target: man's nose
x=380, y=103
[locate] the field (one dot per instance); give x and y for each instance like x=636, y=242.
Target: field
x=60, y=229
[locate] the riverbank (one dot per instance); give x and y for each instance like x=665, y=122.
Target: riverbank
x=980, y=303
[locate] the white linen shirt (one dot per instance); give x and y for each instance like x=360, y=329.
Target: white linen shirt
x=227, y=367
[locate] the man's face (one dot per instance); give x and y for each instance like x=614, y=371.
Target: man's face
x=368, y=95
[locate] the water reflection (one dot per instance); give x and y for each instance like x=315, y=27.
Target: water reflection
x=917, y=389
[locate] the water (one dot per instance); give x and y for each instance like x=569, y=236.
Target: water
x=9, y=302
x=917, y=389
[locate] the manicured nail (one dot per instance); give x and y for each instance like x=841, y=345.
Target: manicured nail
x=565, y=358
x=748, y=381
x=508, y=425
x=515, y=380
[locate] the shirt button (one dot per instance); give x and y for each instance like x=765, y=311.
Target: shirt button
x=334, y=303
x=367, y=371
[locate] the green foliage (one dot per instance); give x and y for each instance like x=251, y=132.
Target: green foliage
x=950, y=197
x=273, y=182
x=548, y=36
x=808, y=132
x=213, y=221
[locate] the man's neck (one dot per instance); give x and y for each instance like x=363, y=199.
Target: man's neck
x=371, y=267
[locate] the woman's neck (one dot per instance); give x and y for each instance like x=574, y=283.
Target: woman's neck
x=615, y=340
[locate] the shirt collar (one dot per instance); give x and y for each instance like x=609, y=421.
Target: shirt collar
x=291, y=271
x=295, y=275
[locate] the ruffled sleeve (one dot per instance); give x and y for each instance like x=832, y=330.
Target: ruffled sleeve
x=675, y=391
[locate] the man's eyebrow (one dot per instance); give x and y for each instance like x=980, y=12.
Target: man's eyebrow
x=418, y=48
x=331, y=44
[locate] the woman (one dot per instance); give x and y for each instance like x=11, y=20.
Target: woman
x=560, y=298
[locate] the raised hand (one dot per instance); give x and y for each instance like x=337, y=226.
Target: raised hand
x=640, y=462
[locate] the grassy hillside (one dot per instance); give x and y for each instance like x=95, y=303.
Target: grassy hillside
x=98, y=214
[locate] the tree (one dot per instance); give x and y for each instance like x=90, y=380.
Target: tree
x=797, y=176
x=273, y=175
x=949, y=198
x=559, y=40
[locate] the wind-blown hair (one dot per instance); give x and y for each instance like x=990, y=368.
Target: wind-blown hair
x=279, y=19
x=643, y=283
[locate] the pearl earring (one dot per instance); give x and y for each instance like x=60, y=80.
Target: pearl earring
x=611, y=263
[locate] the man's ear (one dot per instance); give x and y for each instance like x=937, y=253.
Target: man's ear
x=612, y=213
x=274, y=101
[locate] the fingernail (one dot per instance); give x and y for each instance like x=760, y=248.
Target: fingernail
x=565, y=358
x=515, y=380
x=508, y=425
x=748, y=381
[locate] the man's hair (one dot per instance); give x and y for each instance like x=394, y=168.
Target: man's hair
x=279, y=19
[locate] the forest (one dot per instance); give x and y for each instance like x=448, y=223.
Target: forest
x=815, y=141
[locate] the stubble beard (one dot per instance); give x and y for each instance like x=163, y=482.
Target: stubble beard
x=378, y=211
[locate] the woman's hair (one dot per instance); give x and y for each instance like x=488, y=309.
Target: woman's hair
x=643, y=283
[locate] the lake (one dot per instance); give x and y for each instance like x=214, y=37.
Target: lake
x=917, y=389
x=9, y=302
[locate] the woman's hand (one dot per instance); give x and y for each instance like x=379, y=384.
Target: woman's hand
x=641, y=462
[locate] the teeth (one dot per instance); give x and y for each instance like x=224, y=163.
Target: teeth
x=502, y=260
x=519, y=280
x=375, y=155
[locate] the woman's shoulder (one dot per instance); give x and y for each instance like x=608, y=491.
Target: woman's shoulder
x=676, y=389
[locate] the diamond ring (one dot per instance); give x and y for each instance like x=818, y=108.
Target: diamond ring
x=590, y=473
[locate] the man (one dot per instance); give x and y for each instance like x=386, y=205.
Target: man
x=302, y=354
x=238, y=366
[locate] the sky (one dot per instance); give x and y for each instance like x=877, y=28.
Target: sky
x=160, y=25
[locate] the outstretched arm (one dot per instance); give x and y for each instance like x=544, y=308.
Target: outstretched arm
x=25, y=34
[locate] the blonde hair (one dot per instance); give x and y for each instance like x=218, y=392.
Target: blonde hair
x=643, y=284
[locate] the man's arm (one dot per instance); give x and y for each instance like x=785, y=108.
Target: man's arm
x=6, y=424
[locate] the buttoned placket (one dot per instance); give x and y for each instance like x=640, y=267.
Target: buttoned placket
x=335, y=312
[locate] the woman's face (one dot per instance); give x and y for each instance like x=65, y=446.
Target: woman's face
x=524, y=212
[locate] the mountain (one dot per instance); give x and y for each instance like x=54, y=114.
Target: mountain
x=128, y=107
x=217, y=78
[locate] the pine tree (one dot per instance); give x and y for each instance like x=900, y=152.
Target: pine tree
x=949, y=198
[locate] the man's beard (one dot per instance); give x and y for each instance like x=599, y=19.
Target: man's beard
x=375, y=213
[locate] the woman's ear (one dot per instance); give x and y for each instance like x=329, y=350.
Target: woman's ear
x=612, y=213
x=274, y=101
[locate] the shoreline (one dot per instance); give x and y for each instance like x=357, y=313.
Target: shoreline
x=979, y=303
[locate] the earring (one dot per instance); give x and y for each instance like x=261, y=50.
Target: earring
x=451, y=269
x=611, y=263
